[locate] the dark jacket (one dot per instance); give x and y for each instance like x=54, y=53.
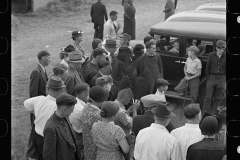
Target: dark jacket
x=38, y=80
x=98, y=12
x=72, y=80
x=144, y=121
x=57, y=143
x=93, y=80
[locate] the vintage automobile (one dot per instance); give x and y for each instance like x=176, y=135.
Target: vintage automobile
x=198, y=16
x=198, y=32
x=221, y=7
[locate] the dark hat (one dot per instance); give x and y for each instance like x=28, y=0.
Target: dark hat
x=55, y=83
x=75, y=57
x=163, y=110
x=109, y=109
x=193, y=49
x=209, y=125
x=149, y=101
x=147, y=38
x=201, y=48
x=98, y=94
x=126, y=37
x=69, y=49
x=111, y=43
x=77, y=33
x=221, y=44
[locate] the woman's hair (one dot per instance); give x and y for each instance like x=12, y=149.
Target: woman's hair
x=101, y=81
x=138, y=50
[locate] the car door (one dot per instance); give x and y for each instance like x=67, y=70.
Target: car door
x=171, y=62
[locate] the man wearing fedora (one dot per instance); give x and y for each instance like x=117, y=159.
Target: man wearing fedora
x=43, y=107
x=38, y=80
x=155, y=142
x=98, y=12
x=77, y=36
x=75, y=60
x=208, y=148
x=59, y=139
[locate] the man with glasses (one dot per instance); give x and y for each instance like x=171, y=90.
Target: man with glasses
x=216, y=78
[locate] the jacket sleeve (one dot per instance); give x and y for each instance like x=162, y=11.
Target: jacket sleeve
x=34, y=83
x=168, y=7
x=129, y=12
x=105, y=14
x=69, y=85
x=50, y=144
x=208, y=66
x=160, y=66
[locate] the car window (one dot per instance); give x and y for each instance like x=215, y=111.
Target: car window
x=205, y=47
x=168, y=44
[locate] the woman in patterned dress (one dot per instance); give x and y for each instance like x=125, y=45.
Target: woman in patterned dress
x=109, y=138
x=91, y=114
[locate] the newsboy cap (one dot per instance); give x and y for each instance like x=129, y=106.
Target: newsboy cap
x=98, y=94
x=149, y=101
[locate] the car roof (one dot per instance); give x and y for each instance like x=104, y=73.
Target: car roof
x=221, y=7
x=202, y=30
x=198, y=16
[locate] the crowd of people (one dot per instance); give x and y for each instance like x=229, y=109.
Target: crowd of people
x=98, y=105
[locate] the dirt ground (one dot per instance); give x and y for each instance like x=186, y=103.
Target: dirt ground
x=34, y=31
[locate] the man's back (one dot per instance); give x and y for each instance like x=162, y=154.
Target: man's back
x=156, y=143
x=98, y=11
x=186, y=136
x=207, y=149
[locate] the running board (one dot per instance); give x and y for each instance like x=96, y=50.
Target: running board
x=176, y=95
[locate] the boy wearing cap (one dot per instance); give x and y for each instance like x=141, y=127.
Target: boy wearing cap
x=43, y=107
x=77, y=36
x=192, y=71
x=216, y=78
x=75, y=62
x=155, y=142
x=208, y=148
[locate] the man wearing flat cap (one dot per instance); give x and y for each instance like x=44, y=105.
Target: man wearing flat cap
x=75, y=62
x=98, y=12
x=216, y=78
x=155, y=142
x=43, y=107
x=77, y=36
x=143, y=121
x=208, y=148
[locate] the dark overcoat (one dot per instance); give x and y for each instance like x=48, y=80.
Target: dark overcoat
x=169, y=9
x=129, y=21
x=98, y=12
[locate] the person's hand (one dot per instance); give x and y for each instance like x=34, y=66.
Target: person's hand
x=166, y=48
x=187, y=78
x=136, y=105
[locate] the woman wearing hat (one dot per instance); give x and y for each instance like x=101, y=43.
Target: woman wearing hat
x=77, y=36
x=91, y=114
x=107, y=136
x=64, y=54
x=60, y=71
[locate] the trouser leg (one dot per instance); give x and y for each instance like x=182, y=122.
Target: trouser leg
x=79, y=141
x=96, y=30
x=194, y=88
x=100, y=32
x=181, y=87
x=38, y=145
x=31, y=151
x=210, y=86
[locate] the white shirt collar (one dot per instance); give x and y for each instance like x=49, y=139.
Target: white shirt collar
x=80, y=101
x=159, y=126
x=192, y=125
x=43, y=68
x=51, y=97
x=158, y=92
